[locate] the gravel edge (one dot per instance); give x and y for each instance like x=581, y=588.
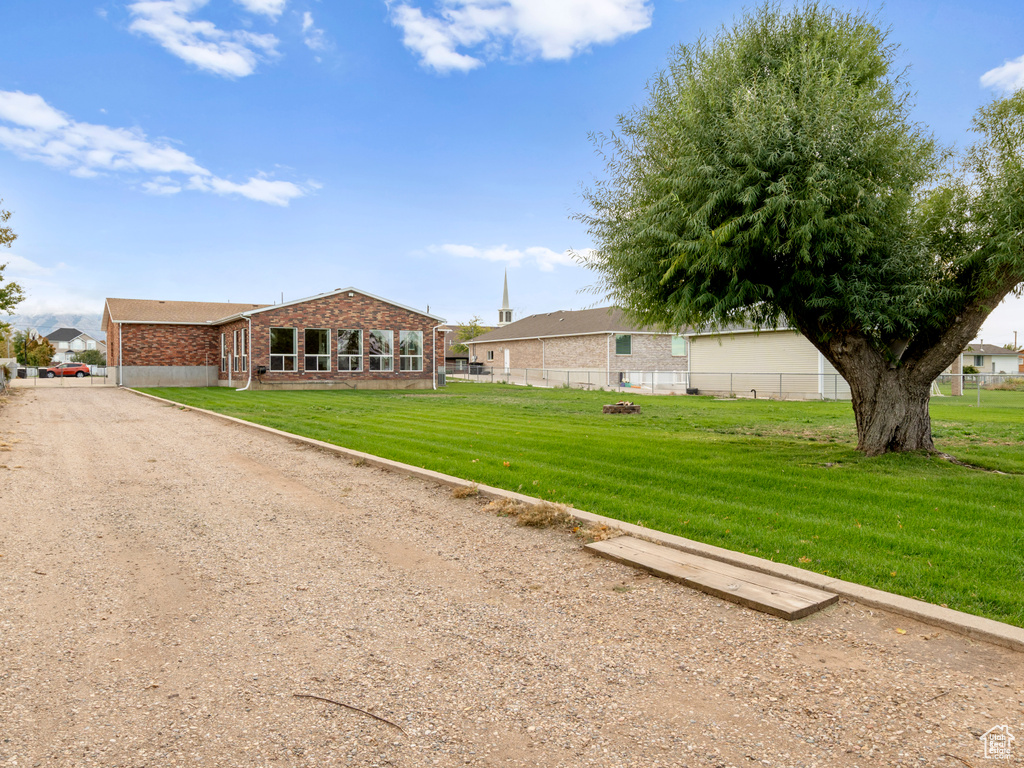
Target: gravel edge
x=975, y=627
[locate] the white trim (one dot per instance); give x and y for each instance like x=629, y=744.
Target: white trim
x=295, y=346
x=730, y=332
x=305, y=354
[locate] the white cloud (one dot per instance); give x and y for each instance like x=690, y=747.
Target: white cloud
x=522, y=29
x=1008, y=77
x=544, y=258
x=37, y=131
x=311, y=36
x=48, y=289
x=261, y=189
x=271, y=8
x=202, y=43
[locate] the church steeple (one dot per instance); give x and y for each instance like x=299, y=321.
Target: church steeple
x=505, y=313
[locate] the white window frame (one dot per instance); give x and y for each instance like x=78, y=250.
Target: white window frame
x=624, y=336
x=415, y=362
x=323, y=362
x=243, y=335
x=386, y=362
x=294, y=356
x=490, y=355
x=234, y=351
x=223, y=353
x=350, y=359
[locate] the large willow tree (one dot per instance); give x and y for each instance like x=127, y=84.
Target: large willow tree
x=775, y=176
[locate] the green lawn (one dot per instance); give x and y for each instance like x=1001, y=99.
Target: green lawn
x=776, y=479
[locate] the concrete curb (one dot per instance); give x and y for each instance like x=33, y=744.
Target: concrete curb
x=976, y=627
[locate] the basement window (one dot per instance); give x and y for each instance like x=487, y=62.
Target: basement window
x=283, y=346
x=410, y=350
x=318, y=349
x=350, y=350
x=382, y=351
x=623, y=344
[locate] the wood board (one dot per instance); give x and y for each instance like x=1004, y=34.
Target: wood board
x=770, y=594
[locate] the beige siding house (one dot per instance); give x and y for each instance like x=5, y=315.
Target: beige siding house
x=777, y=364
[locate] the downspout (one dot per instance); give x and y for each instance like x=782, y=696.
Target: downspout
x=433, y=341
x=248, y=358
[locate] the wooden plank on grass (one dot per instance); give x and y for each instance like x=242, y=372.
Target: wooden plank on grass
x=771, y=594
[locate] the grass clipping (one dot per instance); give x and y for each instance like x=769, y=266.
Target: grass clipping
x=544, y=514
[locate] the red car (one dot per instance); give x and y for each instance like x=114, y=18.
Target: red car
x=65, y=369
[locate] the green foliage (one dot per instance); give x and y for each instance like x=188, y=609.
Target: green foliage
x=466, y=332
x=90, y=357
x=32, y=349
x=11, y=294
x=969, y=369
x=773, y=479
x=775, y=174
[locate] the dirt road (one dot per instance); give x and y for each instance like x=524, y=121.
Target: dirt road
x=168, y=583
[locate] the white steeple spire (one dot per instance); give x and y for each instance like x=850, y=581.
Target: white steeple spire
x=505, y=313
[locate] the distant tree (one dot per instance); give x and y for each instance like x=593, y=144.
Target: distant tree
x=775, y=176
x=32, y=349
x=11, y=294
x=90, y=357
x=466, y=332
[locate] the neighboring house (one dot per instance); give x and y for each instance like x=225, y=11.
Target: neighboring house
x=456, y=361
x=345, y=339
x=588, y=340
x=69, y=341
x=769, y=363
x=990, y=358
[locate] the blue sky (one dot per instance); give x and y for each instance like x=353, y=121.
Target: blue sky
x=235, y=150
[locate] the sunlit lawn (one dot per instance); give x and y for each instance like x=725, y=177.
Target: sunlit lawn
x=776, y=479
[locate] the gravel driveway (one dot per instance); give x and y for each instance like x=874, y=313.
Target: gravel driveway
x=168, y=582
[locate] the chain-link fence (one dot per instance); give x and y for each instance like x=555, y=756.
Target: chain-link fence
x=774, y=385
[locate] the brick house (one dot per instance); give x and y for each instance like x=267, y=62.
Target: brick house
x=344, y=339
x=589, y=340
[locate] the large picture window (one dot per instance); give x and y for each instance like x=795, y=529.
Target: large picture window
x=350, y=350
x=623, y=344
x=410, y=350
x=283, y=345
x=318, y=349
x=382, y=351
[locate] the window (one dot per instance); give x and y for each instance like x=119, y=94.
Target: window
x=78, y=345
x=223, y=353
x=350, y=350
x=490, y=354
x=90, y=344
x=979, y=360
x=283, y=343
x=678, y=346
x=623, y=344
x=382, y=355
x=318, y=349
x=243, y=354
x=234, y=351
x=410, y=350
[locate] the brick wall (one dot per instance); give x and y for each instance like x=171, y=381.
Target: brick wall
x=339, y=311
x=154, y=344
x=581, y=353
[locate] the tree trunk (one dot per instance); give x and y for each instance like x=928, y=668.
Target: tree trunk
x=891, y=409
